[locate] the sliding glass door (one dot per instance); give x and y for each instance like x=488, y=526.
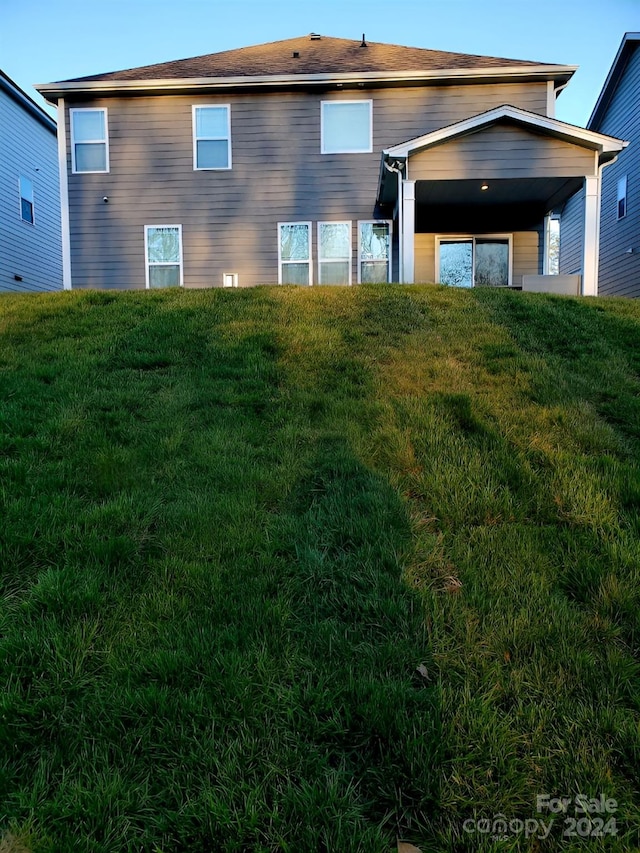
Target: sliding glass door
x=474, y=261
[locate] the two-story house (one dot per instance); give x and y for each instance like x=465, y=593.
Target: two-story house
x=30, y=236
x=320, y=160
x=617, y=111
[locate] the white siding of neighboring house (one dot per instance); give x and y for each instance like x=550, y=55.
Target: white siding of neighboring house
x=33, y=252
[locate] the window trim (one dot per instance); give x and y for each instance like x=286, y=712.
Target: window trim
x=31, y=201
x=473, y=237
x=104, y=141
x=333, y=102
x=196, y=138
x=348, y=222
x=309, y=261
x=621, y=197
x=148, y=263
x=389, y=224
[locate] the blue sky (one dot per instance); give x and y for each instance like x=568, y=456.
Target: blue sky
x=46, y=40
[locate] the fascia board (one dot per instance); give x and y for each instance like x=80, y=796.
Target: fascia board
x=541, y=72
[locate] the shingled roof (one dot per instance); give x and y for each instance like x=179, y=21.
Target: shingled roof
x=307, y=55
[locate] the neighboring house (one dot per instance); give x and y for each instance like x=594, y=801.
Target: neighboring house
x=319, y=160
x=617, y=111
x=30, y=235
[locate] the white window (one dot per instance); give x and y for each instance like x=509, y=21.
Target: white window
x=622, y=197
x=346, y=127
x=474, y=261
x=212, y=137
x=551, y=264
x=26, y=200
x=163, y=250
x=334, y=252
x=89, y=140
x=294, y=253
x=374, y=252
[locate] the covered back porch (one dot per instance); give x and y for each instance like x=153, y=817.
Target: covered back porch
x=472, y=201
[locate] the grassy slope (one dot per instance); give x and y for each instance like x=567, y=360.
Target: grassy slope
x=208, y=503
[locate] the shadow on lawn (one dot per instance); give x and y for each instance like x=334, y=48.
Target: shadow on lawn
x=213, y=647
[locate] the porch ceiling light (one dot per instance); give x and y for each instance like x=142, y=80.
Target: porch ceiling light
x=484, y=187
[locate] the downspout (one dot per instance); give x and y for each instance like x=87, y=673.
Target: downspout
x=398, y=172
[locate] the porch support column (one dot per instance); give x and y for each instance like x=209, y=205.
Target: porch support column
x=408, y=231
x=590, y=244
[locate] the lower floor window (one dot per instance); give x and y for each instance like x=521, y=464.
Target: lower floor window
x=294, y=253
x=552, y=246
x=374, y=252
x=334, y=252
x=163, y=246
x=474, y=261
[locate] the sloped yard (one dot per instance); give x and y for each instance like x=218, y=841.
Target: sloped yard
x=315, y=570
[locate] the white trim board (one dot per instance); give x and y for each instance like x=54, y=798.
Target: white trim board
x=497, y=73
x=63, y=171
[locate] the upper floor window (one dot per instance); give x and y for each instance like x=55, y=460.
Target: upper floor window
x=89, y=140
x=622, y=197
x=26, y=200
x=212, y=137
x=346, y=127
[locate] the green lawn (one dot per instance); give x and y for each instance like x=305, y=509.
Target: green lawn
x=315, y=570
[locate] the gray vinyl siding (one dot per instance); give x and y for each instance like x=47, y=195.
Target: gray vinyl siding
x=32, y=252
x=502, y=151
x=619, y=272
x=229, y=218
x=526, y=256
x=571, y=235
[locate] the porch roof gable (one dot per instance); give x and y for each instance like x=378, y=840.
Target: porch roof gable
x=395, y=157
x=540, y=124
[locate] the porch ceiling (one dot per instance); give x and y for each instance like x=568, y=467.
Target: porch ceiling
x=552, y=191
x=518, y=203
